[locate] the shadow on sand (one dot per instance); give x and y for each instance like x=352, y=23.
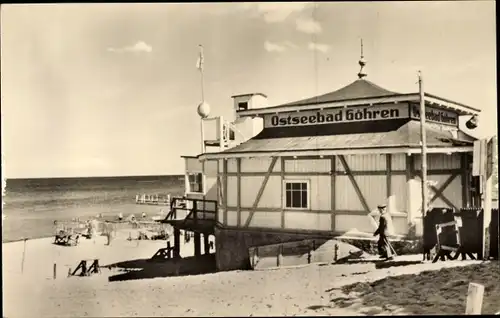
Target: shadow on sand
x=430, y=292
x=148, y=268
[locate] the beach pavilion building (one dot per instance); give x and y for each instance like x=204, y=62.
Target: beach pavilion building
x=315, y=168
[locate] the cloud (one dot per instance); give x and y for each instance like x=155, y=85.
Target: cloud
x=273, y=12
x=279, y=47
x=138, y=47
x=318, y=47
x=307, y=25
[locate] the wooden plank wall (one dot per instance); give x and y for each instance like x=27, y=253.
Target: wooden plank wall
x=335, y=203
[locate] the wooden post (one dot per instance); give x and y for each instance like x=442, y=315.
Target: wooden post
x=279, y=259
x=197, y=236
x=177, y=242
x=423, y=142
x=333, y=170
x=24, y=253
x=282, y=193
x=55, y=271
x=169, y=250
x=252, y=259
x=474, y=299
x=197, y=244
x=255, y=257
x=206, y=243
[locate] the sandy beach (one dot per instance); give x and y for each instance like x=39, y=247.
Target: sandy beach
x=306, y=290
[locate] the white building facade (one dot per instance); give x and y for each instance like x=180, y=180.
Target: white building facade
x=318, y=167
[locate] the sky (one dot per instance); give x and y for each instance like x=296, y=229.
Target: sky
x=112, y=89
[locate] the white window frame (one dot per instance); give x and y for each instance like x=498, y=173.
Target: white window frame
x=291, y=181
x=188, y=182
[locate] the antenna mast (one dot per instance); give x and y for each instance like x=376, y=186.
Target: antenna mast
x=362, y=63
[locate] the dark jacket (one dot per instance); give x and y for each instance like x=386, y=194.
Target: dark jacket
x=382, y=226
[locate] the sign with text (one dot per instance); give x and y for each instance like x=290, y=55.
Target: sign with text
x=435, y=115
x=337, y=115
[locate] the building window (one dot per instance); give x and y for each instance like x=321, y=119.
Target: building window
x=196, y=182
x=228, y=133
x=296, y=194
x=243, y=106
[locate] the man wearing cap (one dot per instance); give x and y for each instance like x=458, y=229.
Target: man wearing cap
x=384, y=249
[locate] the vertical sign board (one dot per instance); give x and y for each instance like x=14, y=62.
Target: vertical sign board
x=476, y=158
x=489, y=158
x=487, y=170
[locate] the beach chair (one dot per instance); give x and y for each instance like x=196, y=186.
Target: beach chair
x=448, y=241
x=61, y=238
x=73, y=239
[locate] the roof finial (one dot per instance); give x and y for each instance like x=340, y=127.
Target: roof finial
x=362, y=63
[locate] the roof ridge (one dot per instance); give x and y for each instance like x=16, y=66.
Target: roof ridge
x=360, y=88
x=377, y=86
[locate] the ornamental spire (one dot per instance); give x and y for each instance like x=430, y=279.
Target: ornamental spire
x=362, y=63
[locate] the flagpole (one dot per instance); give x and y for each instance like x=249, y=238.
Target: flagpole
x=202, y=98
x=423, y=143
x=201, y=79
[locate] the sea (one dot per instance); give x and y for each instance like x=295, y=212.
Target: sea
x=30, y=206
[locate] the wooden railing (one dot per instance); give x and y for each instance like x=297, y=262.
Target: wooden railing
x=197, y=209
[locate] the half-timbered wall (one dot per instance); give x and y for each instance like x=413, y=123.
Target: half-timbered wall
x=340, y=198
x=210, y=172
x=342, y=190
x=449, y=172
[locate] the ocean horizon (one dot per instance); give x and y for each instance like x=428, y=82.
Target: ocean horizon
x=31, y=205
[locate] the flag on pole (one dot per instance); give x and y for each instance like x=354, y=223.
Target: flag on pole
x=199, y=63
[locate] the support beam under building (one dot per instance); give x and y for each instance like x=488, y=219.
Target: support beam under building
x=177, y=242
x=197, y=244
x=206, y=243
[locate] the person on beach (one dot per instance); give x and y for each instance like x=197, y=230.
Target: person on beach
x=89, y=229
x=384, y=249
x=143, y=215
x=120, y=216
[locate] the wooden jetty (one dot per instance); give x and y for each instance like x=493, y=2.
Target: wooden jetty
x=153, y=199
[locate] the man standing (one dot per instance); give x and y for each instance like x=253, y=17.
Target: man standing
x=384, y=249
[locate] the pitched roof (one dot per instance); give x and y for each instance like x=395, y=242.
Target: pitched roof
x=407, y=135
x=360, y=88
